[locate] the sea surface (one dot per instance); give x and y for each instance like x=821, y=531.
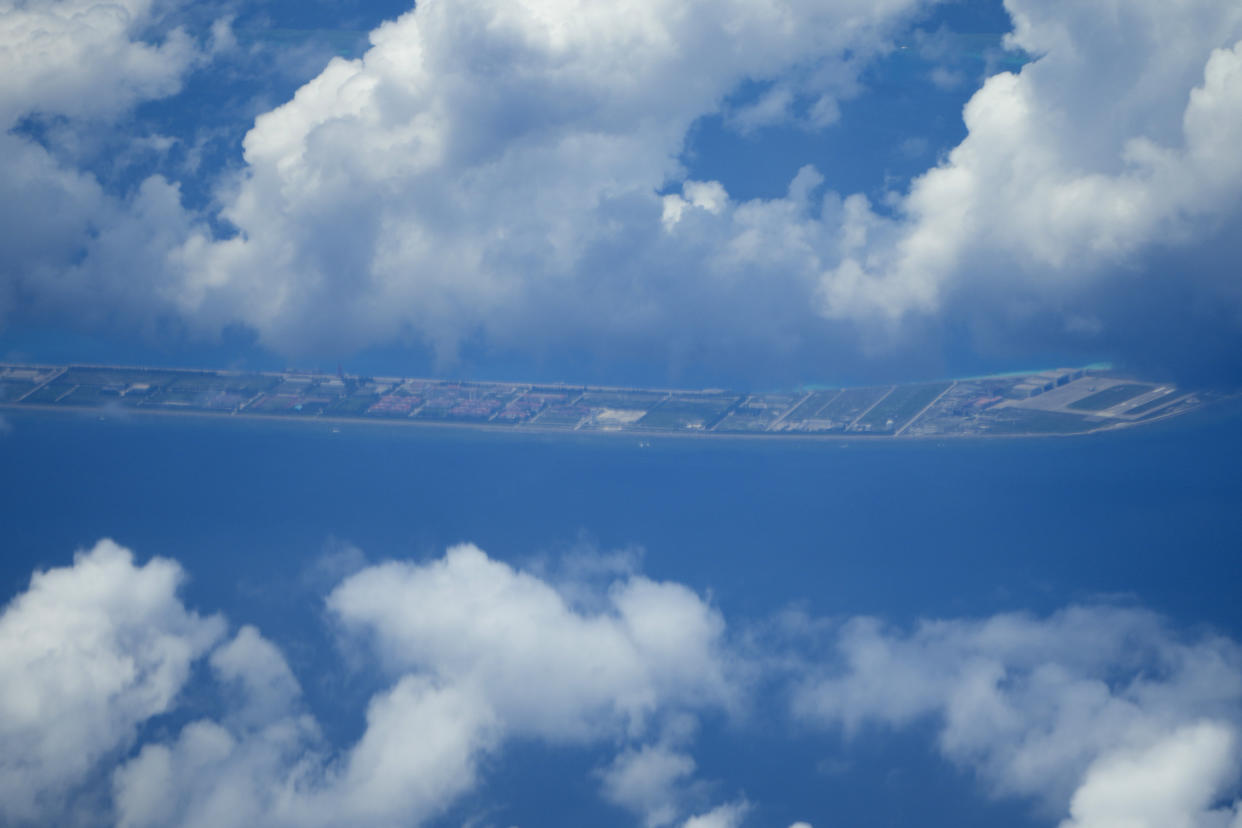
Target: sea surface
x=266, y=516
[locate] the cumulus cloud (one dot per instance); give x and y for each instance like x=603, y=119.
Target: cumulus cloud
x=1089, y=710
x=1107, y=716
x=85, y=58
x=1113, y=139
x=486, y=172
x=647, y=781
x=68, y=246
x=483, y=165
x=550, y=670
x=215, y=774
x=724, y=816
x=419, y=751
x=509, y=174
x=541, y=663
x=479, y=654
x=1174, y=782
x=87, y=654
x=491, y=170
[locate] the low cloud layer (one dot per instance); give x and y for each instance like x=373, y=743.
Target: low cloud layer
x=1086, y=183
x=491, y=167
x=477, y=654
x=73, y=72
x=1104, y=713
x=1097, y=716
x=510, y=176
x=87, y=654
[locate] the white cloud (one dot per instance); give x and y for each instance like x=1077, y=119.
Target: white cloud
x=266, y=763
x=773, y=107
x=647, y=781
x=85, y=58
x=480, y=653
x=210, y=775
x=66, y=245
x=491, y=172
x=481, y=167
x=706, y=195
x=419, y=194
x=1108, y=715
x=250, y=768
x=546, y=669
x=1072, y=709
x=723, y=816
x=87, y=654
x=257, y=672
x=90, y=652
x=419, y=752
x=1114, y=139
x=1171, y=784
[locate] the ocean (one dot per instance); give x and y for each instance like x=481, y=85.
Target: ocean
x=263, y=516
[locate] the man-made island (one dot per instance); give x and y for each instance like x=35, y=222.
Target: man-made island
x=1061, y=401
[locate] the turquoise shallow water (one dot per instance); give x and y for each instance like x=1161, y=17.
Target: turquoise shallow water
x=902, y=530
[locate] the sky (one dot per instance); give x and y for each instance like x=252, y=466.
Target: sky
x=650, y=192
x=661, y=192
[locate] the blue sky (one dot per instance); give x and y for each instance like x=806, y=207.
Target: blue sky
x=659, y=192
x=812, y=192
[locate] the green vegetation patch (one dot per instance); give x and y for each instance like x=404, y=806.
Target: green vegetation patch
x=1109, y=397
x=50, y=393
x=275, y=404
x=196, y=382
x=247, y=385
x=180, y=397
x=683, y=413
x=850, y=403
x=809, y=407
x=745, y=421
x=10, y=391
x=94, y=395
x=354, y=406
x=1034, y=421
x=116, y=376
x=901, y=405
x=561, y=417
x=206, y=390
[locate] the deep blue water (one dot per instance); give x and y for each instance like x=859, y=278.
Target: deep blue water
x=897, y=529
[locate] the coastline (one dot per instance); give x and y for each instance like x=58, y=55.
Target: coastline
x=121, y=414
x=1067, y=402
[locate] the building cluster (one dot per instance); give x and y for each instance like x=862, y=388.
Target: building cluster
x=1036, y=384
x=1014, y=404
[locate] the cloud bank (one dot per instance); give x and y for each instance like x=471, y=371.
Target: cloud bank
x=476, y=653
x=1100, y=716
x=491, y=167
x=511, y=176
x=75, y=68
x=1103, y=709
x=89, y=653
x=1077, y=172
